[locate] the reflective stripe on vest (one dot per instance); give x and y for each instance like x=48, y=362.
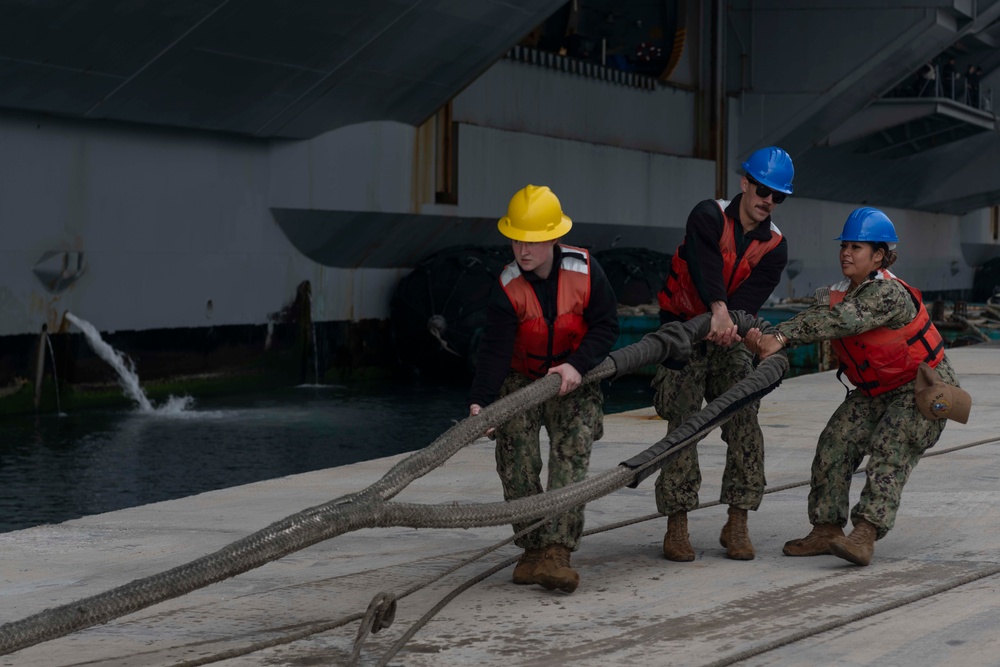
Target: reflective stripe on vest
x=884, y=359
x=538, y=345
x=680, y=297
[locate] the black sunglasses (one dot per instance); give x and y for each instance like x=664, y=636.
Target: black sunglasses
x=764, y=192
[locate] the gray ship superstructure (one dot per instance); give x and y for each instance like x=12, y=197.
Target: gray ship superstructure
x=218, y=168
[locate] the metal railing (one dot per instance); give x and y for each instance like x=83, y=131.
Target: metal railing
x=954, y=87
x=549, y=60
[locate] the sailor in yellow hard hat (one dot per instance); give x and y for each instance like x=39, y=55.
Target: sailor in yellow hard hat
x=534, y=214
x=552, y=311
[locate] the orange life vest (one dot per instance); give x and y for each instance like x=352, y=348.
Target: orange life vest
x=680, y=297
x=539, y=344
x=884, y=359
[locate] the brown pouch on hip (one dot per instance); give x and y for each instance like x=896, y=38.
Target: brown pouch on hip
x=938, y=400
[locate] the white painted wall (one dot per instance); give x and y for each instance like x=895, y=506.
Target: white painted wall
x=365, y=167
x=595, y=183
x=168, y=219
x=529, y=99
x=978, y=242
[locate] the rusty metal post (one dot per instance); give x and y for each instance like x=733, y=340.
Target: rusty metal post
x=40, y=365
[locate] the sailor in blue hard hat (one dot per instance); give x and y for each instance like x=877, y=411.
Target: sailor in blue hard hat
x=902, y=389
x=731, y=258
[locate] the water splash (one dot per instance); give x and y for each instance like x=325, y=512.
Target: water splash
x=127, y=377
x=176, y=405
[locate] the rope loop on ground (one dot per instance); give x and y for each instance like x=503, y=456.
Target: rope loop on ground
x=380, y=615
x=384, y=608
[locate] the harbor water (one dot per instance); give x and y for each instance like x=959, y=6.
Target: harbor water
x=59, y=467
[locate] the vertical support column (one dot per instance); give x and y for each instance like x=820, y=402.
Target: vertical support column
x=40, y=365
x=446, y=157
x=718, y=95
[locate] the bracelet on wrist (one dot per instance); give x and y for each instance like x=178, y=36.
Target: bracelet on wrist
x=781, y=338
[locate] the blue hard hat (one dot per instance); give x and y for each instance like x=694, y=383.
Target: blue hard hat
x=772, y=167
x=871, y=225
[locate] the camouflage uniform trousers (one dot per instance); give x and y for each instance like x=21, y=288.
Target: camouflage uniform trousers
x=573, y=422
x=710, y=372
x=892, y=432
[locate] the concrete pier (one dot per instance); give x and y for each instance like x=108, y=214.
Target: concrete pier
x=928, y=598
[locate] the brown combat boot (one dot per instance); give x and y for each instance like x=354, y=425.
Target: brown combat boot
x=524, y=571
x=858, y=546
x=554, y=571
x=816, y=543
x=735, y=537
x=676, y=542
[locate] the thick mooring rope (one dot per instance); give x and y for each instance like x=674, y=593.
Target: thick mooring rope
x=730, y=660
x=369, y=508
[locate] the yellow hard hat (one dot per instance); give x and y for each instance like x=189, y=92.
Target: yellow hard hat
x=534, y=214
